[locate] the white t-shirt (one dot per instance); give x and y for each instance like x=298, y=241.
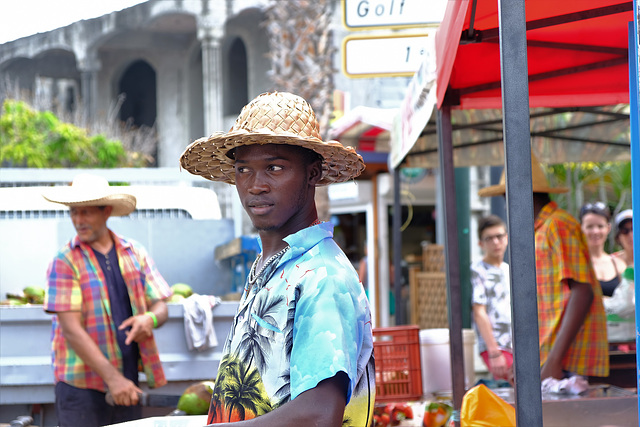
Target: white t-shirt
x=491, y=288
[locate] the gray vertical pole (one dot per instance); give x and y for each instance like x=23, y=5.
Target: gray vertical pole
x=454, y=298
x=635, y=166
x=517, y=148
x=397, y=247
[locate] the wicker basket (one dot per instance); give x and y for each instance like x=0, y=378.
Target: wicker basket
x=428, y=299
x=433, y=258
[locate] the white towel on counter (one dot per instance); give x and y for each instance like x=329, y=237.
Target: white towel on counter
x=573, y=385
x=198, y=321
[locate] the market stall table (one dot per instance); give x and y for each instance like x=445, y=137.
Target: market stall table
x=601, y=405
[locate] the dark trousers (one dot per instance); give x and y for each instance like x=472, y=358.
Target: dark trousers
x=77, y=407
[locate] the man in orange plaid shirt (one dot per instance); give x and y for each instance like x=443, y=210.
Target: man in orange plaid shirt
x=571, y=319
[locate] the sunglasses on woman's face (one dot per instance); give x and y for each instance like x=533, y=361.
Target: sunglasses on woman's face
x=625, y=230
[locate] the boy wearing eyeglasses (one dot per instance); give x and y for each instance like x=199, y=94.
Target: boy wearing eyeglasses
x=491, y=300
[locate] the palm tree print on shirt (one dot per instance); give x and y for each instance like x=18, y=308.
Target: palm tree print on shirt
x=238, y=394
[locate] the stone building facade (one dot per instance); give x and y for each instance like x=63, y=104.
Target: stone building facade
x=185, y=66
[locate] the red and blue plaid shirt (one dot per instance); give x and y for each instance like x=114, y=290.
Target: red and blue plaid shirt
x=561, y=254
x=75, y=282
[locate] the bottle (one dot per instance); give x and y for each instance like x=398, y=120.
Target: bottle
x=620, y=310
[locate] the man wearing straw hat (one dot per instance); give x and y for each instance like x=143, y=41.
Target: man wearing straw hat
x=571, y=319
x=107, y=297
x=300, y=351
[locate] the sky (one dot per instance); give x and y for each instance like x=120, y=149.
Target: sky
x=20, y=18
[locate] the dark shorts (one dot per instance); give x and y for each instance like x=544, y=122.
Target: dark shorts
x=77, y=407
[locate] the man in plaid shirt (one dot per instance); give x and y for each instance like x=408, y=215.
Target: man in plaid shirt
x=107, y=296
x=571, y=319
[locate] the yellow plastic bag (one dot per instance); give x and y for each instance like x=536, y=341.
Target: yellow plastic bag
x=482, y=408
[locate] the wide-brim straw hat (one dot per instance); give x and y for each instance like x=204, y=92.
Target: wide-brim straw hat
x=539, y=182
x=92, y=190
x=271, y=118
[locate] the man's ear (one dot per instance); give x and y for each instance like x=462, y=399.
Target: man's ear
x=315, y=173
x=107, y=210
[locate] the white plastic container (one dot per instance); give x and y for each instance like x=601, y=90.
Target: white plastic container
x=436, y=359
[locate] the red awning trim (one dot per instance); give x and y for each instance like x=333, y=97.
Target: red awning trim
x=577, y=53
x=365, y=128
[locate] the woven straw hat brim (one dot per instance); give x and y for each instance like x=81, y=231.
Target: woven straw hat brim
x=123, y=204
x=539, y=182
x=207, y=157
x=271, y=118
x=500, y=190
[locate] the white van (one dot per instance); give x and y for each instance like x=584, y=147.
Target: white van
x=153, y=201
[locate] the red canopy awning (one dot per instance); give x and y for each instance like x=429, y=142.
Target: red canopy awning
x=577, y=53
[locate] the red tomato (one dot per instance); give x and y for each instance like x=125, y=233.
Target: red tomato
x=406, y=410
x=385, y=420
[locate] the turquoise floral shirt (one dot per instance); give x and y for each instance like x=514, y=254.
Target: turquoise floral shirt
x=304, y=320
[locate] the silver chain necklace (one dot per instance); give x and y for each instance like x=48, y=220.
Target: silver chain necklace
x=253, y=276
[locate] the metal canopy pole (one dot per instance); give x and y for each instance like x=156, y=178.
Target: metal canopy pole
x=397, y=248
x=635, y=167
x=454, y=297
x=517, y=149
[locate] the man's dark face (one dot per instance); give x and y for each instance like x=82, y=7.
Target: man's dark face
x=276, y=186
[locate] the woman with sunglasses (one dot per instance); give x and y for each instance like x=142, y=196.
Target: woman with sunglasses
x=595, y=220
x=624, y=236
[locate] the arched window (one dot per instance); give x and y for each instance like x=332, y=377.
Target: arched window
x=138, y=84
x=236, y=91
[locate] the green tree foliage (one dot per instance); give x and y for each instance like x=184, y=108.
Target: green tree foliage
x=30, y=138
x=608, y=182
x=588, y=182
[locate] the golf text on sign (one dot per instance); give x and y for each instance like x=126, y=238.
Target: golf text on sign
x=391, y=55
x=359, y=14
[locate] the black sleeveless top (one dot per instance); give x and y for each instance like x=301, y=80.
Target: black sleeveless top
x=609, y=285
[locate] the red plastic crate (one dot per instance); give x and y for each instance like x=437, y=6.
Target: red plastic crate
x=398, y=363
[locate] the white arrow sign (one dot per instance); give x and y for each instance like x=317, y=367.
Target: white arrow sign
x=362, y=14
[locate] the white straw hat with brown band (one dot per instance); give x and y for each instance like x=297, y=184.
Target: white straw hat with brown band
x=539, y=182
x=271, y=118
x=92, y=190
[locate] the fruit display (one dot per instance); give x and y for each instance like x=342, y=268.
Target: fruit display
x=29, y=295
x=34, y=294
x=436, y=414
x=175, y=298
x=181, y=289
x=392, y=414
x=196, y=398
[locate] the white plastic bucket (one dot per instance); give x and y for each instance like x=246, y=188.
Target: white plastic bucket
x=436, y=359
